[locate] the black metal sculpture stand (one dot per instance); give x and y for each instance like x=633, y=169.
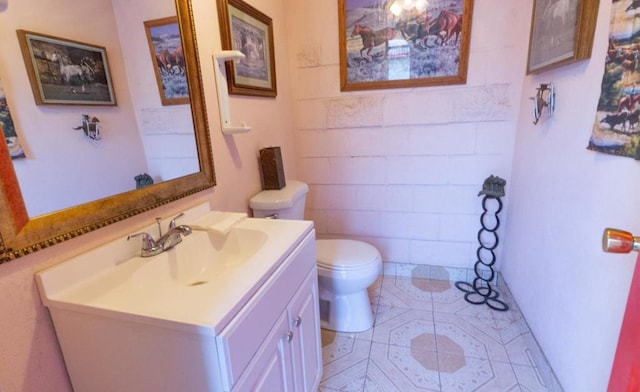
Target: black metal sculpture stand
x=480, y=291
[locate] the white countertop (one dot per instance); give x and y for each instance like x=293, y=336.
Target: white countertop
x=173, y=289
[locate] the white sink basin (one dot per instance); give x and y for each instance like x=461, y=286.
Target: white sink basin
x=201, y=258
x=199, y=283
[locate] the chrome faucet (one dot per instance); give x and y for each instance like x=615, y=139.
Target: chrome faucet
x=171, y=238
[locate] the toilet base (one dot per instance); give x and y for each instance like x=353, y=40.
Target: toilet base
x=345, y=313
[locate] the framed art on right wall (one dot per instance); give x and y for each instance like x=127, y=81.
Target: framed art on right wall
x=561, y=33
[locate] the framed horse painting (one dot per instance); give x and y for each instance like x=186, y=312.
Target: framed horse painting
x=561, y=33
x=403, y=43
x=165, y=44
x=249, y=31
x=66, y=72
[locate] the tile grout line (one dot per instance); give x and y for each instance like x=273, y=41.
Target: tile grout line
x=435, y=332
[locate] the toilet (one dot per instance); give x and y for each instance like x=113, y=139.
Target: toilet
x=346, y=268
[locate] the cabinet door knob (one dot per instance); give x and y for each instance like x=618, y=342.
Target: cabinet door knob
x=298, y=321
x=290, y=336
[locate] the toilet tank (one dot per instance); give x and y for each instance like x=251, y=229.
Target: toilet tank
x=285, y=203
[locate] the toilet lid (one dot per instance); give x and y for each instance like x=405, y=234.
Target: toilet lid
x=345, y=254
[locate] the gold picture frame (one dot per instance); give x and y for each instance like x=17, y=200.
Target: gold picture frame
x=66, y=72
x=249, y=31
x=386, y=45
x=561, y=33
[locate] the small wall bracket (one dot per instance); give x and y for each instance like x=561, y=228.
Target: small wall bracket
x=220, y=57
x=545, y=97
x=90, y=126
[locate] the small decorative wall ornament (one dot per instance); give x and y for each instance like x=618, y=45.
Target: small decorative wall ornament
x=545, y=98
x=493, y=186
x=90, y=127
x=143, y=180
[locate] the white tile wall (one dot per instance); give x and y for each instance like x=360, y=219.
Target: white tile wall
x=401, y=168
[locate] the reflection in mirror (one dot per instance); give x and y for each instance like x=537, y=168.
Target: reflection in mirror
x=69, y=183
x=63, y=167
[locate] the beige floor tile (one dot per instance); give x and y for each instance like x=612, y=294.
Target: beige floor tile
x=414, y=293
x=475, y=374
x=401, y=369
x=450, y=299
x=531, y=380
x=519, y=349
x=405, y=327
x=524, y=351
x=344, y=362
x=426, y=337
x=468, y=337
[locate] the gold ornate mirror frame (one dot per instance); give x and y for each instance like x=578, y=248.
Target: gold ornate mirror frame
x=21, y=235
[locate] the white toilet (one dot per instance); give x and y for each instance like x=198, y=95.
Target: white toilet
x=346, y=268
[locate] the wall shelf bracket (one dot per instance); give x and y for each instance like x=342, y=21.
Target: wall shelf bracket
x=220, y=57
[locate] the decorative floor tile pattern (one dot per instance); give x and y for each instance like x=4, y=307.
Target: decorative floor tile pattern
x=426, y=337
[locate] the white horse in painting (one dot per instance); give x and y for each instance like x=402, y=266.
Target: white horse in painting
x=69, y=71
x=558, y=10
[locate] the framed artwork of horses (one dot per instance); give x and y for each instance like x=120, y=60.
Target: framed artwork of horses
x=403, y=43
x=561, y=33
x=7, y=128
x=165, y=45
x=249, y=31
x=66, y=72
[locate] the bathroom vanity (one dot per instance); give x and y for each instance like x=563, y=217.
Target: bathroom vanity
x=232, y=310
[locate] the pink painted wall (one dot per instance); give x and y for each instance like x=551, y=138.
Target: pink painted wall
x=30, y=357
x=51, y=137
x=562, y=197
x=401, y=169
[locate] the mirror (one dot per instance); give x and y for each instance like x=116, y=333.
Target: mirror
x=20, y=233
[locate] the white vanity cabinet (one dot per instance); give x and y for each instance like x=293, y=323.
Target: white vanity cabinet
x=288, y=357
x=306, y=347
x=134, y=325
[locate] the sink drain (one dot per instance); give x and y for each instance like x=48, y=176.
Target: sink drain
x=198, y=283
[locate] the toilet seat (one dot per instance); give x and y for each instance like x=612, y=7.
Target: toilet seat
x=345, y=255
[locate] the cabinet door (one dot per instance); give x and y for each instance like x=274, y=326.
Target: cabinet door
x=270, y=369
x=305, y=326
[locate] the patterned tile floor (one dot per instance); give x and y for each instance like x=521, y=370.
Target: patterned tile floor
x=426, y=337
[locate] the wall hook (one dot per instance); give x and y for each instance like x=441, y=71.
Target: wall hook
x=545, y=97
x=220, y=57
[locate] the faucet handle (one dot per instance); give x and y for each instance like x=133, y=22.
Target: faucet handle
x=147, y=241
x=172, y=224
